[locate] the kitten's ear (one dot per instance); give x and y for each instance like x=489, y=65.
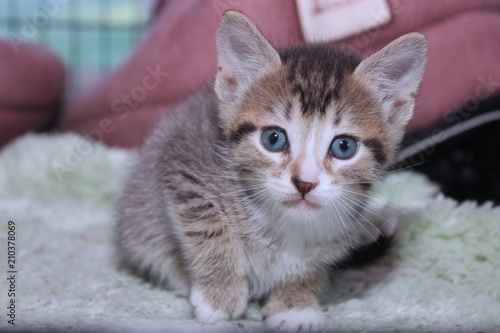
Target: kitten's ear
x=243, y=55
x=394, y=74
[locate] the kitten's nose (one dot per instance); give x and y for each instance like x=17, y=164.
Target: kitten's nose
x=303, y=187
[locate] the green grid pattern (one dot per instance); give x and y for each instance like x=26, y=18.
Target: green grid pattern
x=91, y=36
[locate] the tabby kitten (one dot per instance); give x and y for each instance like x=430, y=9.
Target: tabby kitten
x=253, y=188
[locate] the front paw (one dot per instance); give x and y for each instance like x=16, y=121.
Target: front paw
x=381, y=221
x=296, y=320
x=211, y=306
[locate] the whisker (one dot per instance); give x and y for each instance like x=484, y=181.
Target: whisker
x=340, y=219
x=361, y=224
x=371, y=197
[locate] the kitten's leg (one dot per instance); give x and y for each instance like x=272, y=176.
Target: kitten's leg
x=143, y=237
x=294, y=307
x=218, y=270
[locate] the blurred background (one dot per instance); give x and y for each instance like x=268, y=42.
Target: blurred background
x=454, y=137
x=91, y=36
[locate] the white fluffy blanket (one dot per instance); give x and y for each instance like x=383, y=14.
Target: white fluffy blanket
x=441, y=275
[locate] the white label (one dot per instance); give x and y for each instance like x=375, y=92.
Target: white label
x=332, y=20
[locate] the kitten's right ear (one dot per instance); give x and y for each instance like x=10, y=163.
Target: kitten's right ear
x=244, y=55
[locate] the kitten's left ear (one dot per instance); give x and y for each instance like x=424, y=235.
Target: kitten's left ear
x=244, y=55
x=394, y=74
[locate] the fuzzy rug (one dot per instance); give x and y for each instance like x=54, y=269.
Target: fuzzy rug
x=441, y=275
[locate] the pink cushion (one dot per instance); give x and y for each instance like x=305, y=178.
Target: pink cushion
x=463, y=40
x=31, y=87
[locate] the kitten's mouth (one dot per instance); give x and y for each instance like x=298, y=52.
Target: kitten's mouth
x=301, y=203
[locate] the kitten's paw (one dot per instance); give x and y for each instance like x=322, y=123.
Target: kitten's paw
x=390, y=221
x=383, y=222
x=205, y=313
x=296, y=320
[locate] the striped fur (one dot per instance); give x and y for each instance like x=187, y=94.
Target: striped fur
x=209, y=211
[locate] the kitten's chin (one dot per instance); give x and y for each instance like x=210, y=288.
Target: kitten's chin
x=301, y=204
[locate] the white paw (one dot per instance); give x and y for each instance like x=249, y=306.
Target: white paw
x=203, y=312
x=392, y=216
x=296, y=320
x=381, y=221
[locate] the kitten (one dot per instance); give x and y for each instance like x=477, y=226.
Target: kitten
x=253, y=188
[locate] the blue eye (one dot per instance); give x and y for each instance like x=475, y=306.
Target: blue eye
x=274, y=139
x=343, y=147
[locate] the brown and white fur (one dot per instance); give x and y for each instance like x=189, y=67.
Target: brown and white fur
x=212, y=213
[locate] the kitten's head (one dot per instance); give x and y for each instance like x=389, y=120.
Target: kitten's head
x=311, y=126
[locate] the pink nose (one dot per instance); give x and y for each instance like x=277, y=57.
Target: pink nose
x=303, y=187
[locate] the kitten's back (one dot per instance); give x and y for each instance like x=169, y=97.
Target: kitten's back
x=183, y=153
